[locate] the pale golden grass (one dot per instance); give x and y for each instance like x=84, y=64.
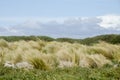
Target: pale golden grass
x=99, y=60
x=3, y=43
x=38, y=62
x=48, y=55
x=110, y=51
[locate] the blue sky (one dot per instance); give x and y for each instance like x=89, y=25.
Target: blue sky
x=59, y=18
x=58, y=8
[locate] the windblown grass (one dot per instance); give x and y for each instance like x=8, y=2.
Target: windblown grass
x=3, y=43
x=48, y=55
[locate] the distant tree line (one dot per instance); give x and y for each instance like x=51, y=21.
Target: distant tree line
x=110, y=38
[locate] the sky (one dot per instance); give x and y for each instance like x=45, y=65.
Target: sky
x=59, y=18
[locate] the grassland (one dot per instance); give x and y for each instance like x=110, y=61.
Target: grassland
x=53, y=60
x=73, y=73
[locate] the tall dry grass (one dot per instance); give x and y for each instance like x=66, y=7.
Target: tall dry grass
x=47, y=55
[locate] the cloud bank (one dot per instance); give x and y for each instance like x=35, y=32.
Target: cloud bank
x=77, y=27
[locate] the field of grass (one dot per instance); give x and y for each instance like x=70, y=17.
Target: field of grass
x=73, y=73
x=44, y=60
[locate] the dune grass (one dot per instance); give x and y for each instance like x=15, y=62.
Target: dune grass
x=59, y=61
x=42, y=53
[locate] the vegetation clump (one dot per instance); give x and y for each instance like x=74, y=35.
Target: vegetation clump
x=36, y=59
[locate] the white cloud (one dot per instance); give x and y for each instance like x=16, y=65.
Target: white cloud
x=78, y=27
x=11, y=30
x=110, y=21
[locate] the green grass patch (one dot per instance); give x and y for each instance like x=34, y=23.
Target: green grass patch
x=73, y=73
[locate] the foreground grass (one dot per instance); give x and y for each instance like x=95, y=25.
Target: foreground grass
x=47, y=55
x=42, y=60
x=73, y=73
